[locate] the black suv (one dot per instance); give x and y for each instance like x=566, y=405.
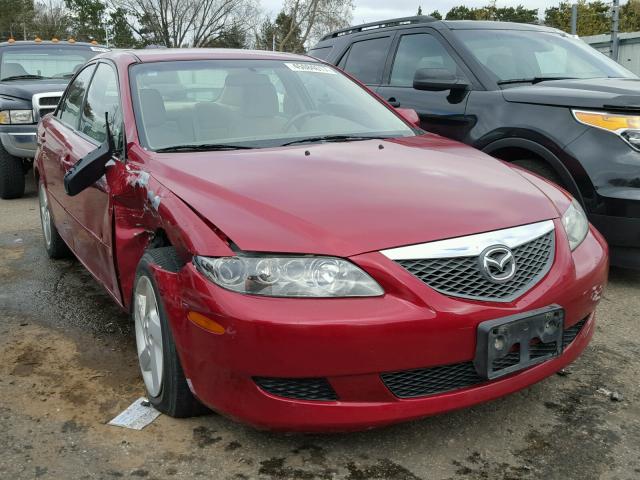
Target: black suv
x=527, y=94
x=33, y=75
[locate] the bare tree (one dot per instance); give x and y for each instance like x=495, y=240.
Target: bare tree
x=314, y=18
x=51, y=19
x=183, y=23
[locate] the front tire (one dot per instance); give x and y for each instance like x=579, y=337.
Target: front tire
x=164, y=379
x=11, y=176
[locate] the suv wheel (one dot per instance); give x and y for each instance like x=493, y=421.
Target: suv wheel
x=11, y=175
x=540, y=168
x=160, y=366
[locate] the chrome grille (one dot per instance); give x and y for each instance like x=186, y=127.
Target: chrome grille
x=45, y=103
x=452, y=267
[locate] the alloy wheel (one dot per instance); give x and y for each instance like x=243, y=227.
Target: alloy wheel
x=45, y=215
x=148, y=335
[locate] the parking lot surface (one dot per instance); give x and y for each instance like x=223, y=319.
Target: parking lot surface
x=68, y=366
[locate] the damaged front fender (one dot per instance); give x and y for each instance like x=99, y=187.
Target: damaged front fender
x=146, y=215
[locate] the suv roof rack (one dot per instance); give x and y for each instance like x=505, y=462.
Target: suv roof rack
x=394, y=22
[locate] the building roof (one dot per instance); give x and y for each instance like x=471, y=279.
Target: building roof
x=605, y=38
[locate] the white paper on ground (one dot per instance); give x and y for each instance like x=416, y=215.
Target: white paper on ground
x=136, y=416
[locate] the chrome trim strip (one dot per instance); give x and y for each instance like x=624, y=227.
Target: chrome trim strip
x=471, y=245
x=35, y=102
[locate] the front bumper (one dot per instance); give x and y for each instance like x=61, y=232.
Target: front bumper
x=19, y=140
x=610, y=184
x=351, y=342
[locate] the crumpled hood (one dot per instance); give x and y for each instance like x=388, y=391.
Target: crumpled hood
x=348, y=198
x=25, y=89
x=597, y=93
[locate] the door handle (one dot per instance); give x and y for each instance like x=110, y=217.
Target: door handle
x=393, y=102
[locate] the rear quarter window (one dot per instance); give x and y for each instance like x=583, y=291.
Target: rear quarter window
x=321, y=53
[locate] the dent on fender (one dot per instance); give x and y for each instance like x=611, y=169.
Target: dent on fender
x=142, y=210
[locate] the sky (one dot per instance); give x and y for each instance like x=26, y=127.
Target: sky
x=373, y=10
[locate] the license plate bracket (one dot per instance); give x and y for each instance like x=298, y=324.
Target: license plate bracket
x=516, y=342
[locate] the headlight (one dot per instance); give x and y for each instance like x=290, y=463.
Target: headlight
x=289, y=276
x=626, y=127
x=575, y=224
x=16, y=117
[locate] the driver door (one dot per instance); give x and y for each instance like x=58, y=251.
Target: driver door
x=439, y=112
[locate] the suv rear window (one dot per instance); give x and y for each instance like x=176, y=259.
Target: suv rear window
x=365, y=59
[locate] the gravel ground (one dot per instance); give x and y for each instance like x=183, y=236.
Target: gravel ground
x=68, y=365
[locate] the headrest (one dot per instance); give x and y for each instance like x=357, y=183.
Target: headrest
x=152, y=104
x=12, y=70
x=253, y=93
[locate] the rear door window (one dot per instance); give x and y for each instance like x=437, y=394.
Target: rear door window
x=71, y=107
x=365, y=59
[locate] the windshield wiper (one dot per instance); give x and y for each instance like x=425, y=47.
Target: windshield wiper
x=334, y=138
x=532, y=80
x=205, y=147
x=23, y=77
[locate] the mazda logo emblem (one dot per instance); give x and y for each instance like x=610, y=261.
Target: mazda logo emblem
x=498, y=264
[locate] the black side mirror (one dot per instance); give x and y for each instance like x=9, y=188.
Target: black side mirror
x=437, y=80
x=89, y=168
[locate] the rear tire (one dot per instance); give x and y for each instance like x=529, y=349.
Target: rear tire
x=11, y=175
x=540, y=168
x=53, y=242
x=164, y=379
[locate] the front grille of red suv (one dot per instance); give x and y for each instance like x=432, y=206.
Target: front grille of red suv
x=430, y=381
x=461, y=276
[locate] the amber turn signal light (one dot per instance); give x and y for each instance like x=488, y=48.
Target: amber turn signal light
x=206, y=323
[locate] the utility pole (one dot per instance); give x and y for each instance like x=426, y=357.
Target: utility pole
x=273, y=43
x=574, y=19
x=106, y=34
x=615, y=25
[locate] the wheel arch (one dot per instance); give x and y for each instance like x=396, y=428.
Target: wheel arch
x=509, y=149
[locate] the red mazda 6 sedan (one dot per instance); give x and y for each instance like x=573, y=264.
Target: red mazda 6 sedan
x=298, y=255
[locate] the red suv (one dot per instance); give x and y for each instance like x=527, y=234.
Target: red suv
x=297, y=254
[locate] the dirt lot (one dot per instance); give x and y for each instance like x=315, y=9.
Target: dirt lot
x=67, y=366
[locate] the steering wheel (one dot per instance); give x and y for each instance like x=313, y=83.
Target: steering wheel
x=300, y=116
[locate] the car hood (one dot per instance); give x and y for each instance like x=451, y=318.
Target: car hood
x=598, y=93
x=348, y=198
x=25, y=89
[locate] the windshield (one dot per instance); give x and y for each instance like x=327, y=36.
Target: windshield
x=253, y=103
x=529, y=55
x=42, y=61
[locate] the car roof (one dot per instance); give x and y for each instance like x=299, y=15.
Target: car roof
x=410, y=22
x=60, y=43
x=173, y=54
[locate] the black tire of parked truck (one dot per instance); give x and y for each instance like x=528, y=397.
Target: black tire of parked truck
x=11, y=175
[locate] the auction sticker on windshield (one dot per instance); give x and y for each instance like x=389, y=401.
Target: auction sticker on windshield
x=310, y=67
